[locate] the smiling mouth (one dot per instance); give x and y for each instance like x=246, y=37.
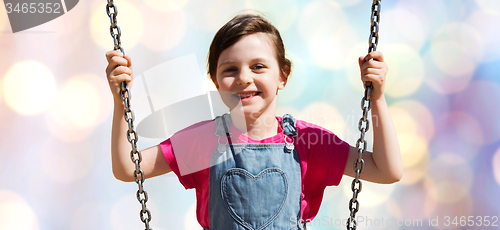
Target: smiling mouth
x=247, y=95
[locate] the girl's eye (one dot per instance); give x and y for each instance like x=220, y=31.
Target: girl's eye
x=258, y=67
x=230, y=69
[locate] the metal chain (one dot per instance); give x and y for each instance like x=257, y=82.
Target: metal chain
x=364, y=123
x=135, y=154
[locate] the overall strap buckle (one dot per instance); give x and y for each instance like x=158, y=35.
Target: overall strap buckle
x=289, y=129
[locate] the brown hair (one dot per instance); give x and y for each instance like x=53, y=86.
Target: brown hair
x=238, y=27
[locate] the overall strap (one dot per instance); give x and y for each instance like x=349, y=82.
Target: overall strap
x=222, y=129
x=226, y=130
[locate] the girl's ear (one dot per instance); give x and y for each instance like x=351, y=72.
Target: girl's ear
x=282, y=82
x=283, y=79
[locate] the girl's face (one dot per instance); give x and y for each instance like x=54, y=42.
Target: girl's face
x=249, y=69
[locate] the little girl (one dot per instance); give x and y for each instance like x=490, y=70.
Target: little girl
x=252, y=169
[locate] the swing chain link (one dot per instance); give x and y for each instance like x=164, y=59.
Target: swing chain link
x=132, y=137
x=375, y=20
x=364, y=123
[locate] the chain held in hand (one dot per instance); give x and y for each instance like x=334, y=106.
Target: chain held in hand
x=135, y=154
x=364, y=123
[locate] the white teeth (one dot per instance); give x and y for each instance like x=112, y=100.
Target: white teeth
x=245, y=95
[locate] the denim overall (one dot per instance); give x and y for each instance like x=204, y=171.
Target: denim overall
x=254, y=186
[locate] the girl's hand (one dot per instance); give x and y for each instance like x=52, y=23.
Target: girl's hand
x=119, y=69
x=374, y=69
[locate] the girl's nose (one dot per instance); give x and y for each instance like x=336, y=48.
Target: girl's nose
x=244, y=78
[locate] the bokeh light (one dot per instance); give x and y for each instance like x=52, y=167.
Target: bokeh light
x=496, y=166
x=327, y=33
x=394, y=208
x=1, y=91
x=413, y=149
x=16, y=213
x=447, y=134
x=406, y=70
x=412, y=136
x=166, y=6
x=431, y=14
x=91, y=215
x=420, y=117
x=414, y=174
x=78, y=104
x=29, y=87
x=484, y=22
x=457, y=43
x=65, y=133
x=78, y=108
x=456, y=50
x=171, y=29
x=461, y=208
x=297, y=81
x=131, y=26
x=450, y=185
x=487, y=5
x=476, y=100
x=401, y=26
x=466, y=126
x=284, y=12
x=66, y=162
x=318, y=16
x=403, y=121
x=3, y=21
x=209, y=18
x=416, y=207
x=346, y=3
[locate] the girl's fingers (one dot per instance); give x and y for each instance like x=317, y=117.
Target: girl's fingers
x=129, y=61
x=371, y=59
x=113, y=53
x=373, y=71
x=372, y=75
x=120, y=70
x=116, y=61
x=110, y=68
x=373, y=64
x=361, y=61
x=376, y=55
x=123, y=77
x=116, y=58
x=115, y=83
x=113, y=66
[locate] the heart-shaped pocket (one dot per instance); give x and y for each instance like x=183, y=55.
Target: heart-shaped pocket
x=254, y=201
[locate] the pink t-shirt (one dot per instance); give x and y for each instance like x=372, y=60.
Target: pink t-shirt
x=322, y=157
